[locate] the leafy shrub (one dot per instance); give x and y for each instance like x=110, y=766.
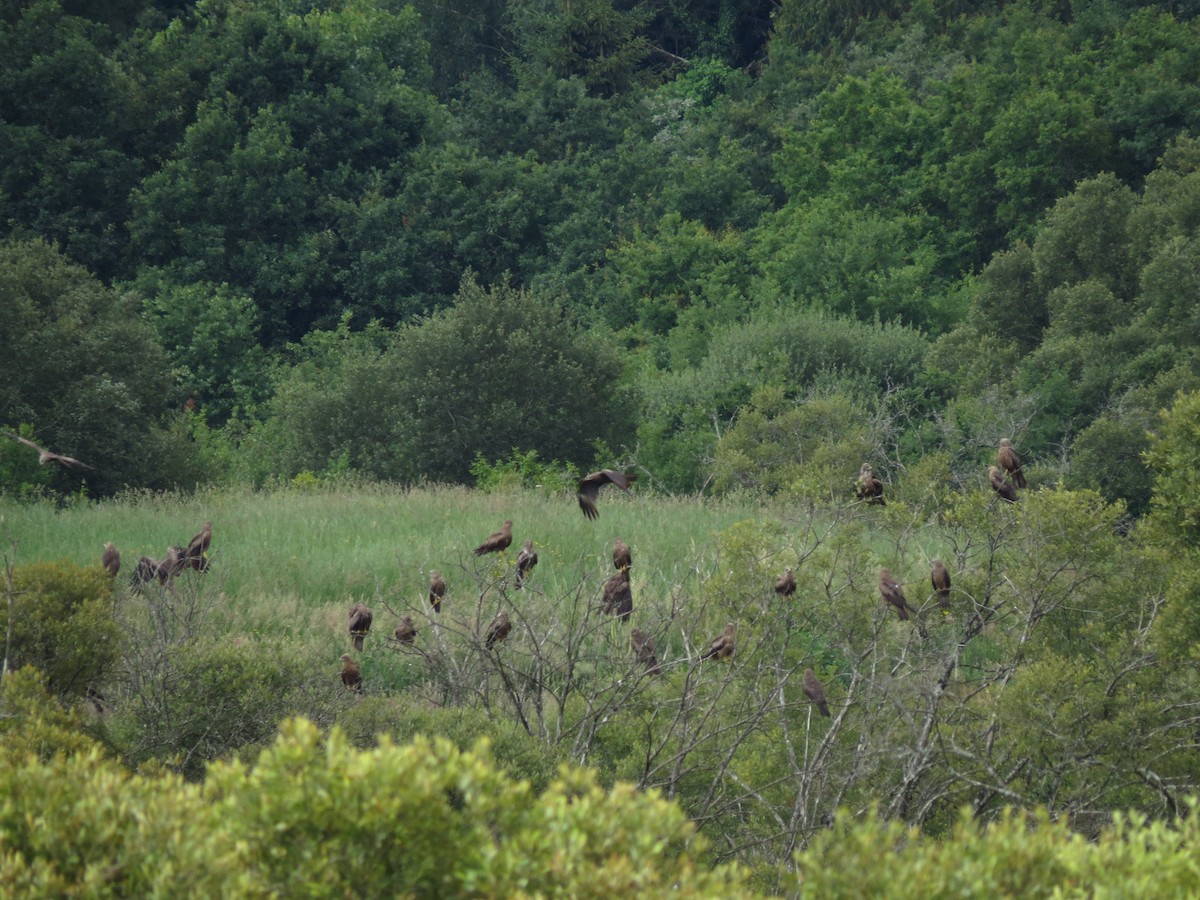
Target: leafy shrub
x=522, y=470
x=63, y=624
x=1018, y=855
x=202, y=699
x=315, y=818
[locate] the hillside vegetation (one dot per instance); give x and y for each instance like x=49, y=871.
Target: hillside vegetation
x=359, y=280
x=382, y=238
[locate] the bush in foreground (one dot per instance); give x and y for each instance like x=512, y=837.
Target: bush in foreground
x=314, y=817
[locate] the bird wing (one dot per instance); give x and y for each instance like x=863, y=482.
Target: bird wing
x=589, y=488
x=20, y=440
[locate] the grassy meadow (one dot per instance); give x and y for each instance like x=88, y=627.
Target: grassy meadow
x=292, y=562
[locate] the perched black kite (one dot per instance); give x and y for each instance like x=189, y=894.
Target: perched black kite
x=497, y=541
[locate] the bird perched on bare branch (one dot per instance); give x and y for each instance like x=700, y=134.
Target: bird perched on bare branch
x=437, y=590
x=940, y=577
x=589, y=488
x=785, y=584
x=618, y=596
x=498, y=630
x=893, y=593
x=197, y=548
x=497, y=541
x=869, y=487
x=1001, y=486
x=406, y=631
x=1007, y=459
x=46, y=456
x=722, y=645
x=643, y=649
x=622, y=557
x=146, y=571
x=815, y=691
x=360, y=623
x=111, y=559
x=526, y=560
x=173, y=565
x=351, y=676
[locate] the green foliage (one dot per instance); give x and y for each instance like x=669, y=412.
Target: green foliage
x=597, y=41
x=62, y=622
x=186, y=704
x=1174, y=455
x=522, y=470
x=81, y=368
x=312, y=816
x=1018, y=855
x=505, y=369
x=83, y=825
x=777, y=445
x=685, y=412
x=211, y=337
x=33, y=722
x=70, y=144
x=337, y=408
x=304, y=115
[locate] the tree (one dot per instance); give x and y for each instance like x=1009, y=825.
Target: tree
x=69, y=142
x=304, y=117
x=503, y=369
x=82, y=369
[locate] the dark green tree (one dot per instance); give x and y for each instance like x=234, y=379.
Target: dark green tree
x=82, y=370
x=503, y=369
x=304, y=117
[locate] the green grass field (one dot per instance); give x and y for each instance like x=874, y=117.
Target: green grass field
x=295, y=560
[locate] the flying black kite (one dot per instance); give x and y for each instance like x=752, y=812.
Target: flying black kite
x=589, y=488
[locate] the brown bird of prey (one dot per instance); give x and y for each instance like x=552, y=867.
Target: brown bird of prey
x=815, y=691
x=622, y=558
x=360, y=623
x=1001, y=485
x=45, y=456
x=173, y=565
x=406, y=631
x=868, y=487
x=111, y=559
x=940, y=577
x=1007, y=459
x=498, y=630
x=526, y=560
x=643, y=649
x=351, y=677
x=197, y=548
x=722, y=645
x=589, y=488
x=146, y=571
x=437, y=590
x=618, y=597
x=785, y=584
x=893, y=593
x=497, y=541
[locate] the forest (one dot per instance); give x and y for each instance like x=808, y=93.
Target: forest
x=359, y=280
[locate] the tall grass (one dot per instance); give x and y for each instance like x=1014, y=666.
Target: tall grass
x=289, y=561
